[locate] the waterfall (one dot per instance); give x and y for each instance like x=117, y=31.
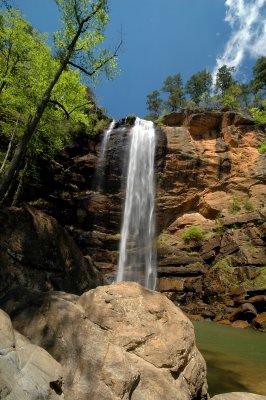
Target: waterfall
x=99, y=174
x=137, y=257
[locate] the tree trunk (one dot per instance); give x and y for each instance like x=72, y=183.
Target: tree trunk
x=20, y=185
x=30, y=129
x=9, y=148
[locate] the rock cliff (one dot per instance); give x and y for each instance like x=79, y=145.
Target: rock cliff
x=211, y=179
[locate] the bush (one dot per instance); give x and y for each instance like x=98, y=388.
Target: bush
x=248, y=205
x=234, y=206
x=262, y=147
x=193, y=233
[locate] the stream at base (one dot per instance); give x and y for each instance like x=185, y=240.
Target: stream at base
x=236, y=358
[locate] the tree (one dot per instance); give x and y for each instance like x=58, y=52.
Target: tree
x=78, y=44
x=259, y=74
x=25, y=48
x=245, y=93
x=198, y=84
x=174, y=86
x=231, y=96
x=154, y=104
x=224, y=79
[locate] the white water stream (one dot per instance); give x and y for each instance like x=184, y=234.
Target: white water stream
x=99, y=175
x=137, y=257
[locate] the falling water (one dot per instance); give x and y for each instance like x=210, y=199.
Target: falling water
x=137, y=259
x=101, y=161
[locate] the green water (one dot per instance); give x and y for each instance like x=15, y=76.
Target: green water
x=236, y=358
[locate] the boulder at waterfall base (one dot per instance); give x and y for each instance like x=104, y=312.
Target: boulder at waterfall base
x=114, y=342
x=27, y=372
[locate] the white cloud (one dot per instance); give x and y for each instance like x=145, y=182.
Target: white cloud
x=248, y=23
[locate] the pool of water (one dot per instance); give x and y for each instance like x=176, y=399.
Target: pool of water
x=236, y=358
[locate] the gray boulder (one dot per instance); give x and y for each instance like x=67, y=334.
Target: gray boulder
x=27, y=372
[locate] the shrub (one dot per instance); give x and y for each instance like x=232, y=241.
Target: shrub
x=248, y=205
x=193, y=233
x=234, y=206
x=262, y=147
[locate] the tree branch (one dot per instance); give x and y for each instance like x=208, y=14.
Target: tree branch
x=77, y=107
x=76, y=11
x=104, y=62
x=61, y=106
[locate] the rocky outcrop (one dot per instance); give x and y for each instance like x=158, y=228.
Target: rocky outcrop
x=36, y=252
x=26, y=370
x=130, y=342
x=238, y=396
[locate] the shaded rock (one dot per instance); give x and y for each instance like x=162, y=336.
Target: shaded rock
x=36, y=252
x=174, y=119
x=245, y=312
x=238, y=396
x=260, y=322
x=129, y=342
x=26, y=370
x=200, y=123
x=242, y=218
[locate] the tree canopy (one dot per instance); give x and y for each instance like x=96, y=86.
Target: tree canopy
x=198, y=84
x=42, y=96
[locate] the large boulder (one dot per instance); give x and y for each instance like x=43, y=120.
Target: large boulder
x=120, y=341
x=26, y=370
x=36, y=252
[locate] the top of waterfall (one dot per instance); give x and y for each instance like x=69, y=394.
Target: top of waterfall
x=144, y=122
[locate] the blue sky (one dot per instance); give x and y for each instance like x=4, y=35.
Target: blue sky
x=162, y=38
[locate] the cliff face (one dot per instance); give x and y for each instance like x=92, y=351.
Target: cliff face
x=211, y=176
x=214, y=180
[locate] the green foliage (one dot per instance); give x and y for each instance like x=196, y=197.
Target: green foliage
x=259, y=74
x=27, y=70
x=231, y=97
x=24, y=77
x=224, y=79
x=154, y=104
x=262, y=147
x=248, y=205
x=234, y=206
x=193, y=233
x=89, y=55
x=199, y=84
x=174, y=86
x=159, y=121
x=223, y=265
x=259, y=114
